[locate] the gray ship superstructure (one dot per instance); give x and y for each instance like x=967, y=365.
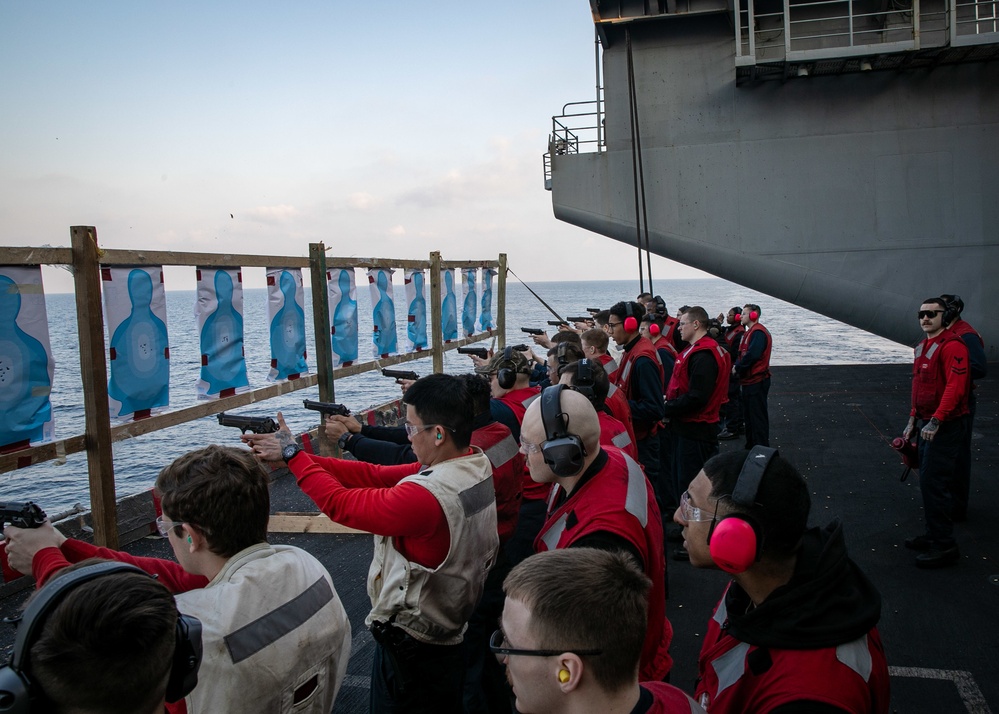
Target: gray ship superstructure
x=842, y=155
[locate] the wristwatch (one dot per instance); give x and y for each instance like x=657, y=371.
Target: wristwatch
x=288, y=452
x=342, y=441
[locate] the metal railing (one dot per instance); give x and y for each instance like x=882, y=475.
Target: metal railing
x=826, y=29
x=574, y=133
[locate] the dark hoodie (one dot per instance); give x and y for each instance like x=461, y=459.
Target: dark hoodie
x=828, y=601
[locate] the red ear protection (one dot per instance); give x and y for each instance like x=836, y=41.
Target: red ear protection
x=736, y=540
x=630, y=322
x=654, y=329
x=738, y=316
x=754, y=316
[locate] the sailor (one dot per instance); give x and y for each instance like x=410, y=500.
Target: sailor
x=694, y=396
x=435, y=542
x=595, y=342
x=796, y=628
x=586, y=607
x=640, y=378
x=273, y=626
x=731, y=421
x=941, y=386
x=978, y=364
x=589, y=379
x=753, y=371
x=509, y=375
x=599, y=498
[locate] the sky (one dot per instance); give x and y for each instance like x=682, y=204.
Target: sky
x=385, y=129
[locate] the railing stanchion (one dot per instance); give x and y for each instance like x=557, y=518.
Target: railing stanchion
x=93, y=370
x=436, y=325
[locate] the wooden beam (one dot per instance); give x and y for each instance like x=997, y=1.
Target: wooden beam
x=211, y=260
x=468, y=264
x=366, y=263
x=93, y=370
x=306, y=523
x=37, y=256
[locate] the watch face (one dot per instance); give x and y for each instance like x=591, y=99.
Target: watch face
x=289, y=451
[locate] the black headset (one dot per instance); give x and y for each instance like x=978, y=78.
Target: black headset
x=20, y=695
x=506, y=377
x=736, y=540
x=562, y=451
x=584, y=378
x=953, y=307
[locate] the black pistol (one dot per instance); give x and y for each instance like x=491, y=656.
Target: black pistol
x=258, y=425
x=19, y=514
x=588, y=318
x=532, y=330
x=557, y=323
x=327, y=408
x=593, y=310
x=398, y=374
x=477, y=351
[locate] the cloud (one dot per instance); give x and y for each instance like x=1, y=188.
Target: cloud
x=362, y=201
x=397, y=231
x=273, y=214
x=506, y=176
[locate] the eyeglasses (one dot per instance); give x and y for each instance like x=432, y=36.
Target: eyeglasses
x=692, y=514
x=164, y=527
x=498, y=640
x=928, y=313
x=527, y=447
x=412, y=430
x=612, y=325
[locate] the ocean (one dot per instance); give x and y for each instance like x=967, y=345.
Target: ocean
x=800, y=337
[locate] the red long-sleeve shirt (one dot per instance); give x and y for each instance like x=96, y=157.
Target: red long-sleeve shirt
x=369, y=497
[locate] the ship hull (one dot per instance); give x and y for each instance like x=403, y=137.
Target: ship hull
x=854, y=195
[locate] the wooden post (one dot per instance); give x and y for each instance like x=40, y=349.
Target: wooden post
x=501, y=301
x=324, y=347
x=321, y=322
x=93, y=370
x=436, y=326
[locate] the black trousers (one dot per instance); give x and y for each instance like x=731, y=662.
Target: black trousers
x=754, y=402
x=937, y=468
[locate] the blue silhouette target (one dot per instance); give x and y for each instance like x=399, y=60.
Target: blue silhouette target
x=25, y=383
x=287, y=325
x=470, y=306
x=223, y=366
x=449, y=307
x=343, y=308
x=140, y=352
x=416, y=315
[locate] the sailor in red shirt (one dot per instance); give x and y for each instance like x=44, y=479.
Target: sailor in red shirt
x=435, y=542
x=941, y=386
x=753, y=370
x=589, y=379
x=796, y=629
x=509, y=373
x=599, y=498
x=978, y=365
x=571, y=636
x=595, y=343
x=731, y=422
x=695, y=393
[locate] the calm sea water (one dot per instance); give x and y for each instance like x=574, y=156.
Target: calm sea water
x=800, y=337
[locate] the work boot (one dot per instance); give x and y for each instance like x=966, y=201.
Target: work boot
x=938, y=557
x=920, y=543
x=727, y=435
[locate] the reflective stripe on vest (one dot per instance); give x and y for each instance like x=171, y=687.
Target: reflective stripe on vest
x=552, y=536
x=636, y=502
x=502, y=452
x=730, y=667
x=622, y=440
x=857, y=656
x=255, y=636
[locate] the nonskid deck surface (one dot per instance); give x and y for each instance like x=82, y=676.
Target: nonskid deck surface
x=939, y=627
